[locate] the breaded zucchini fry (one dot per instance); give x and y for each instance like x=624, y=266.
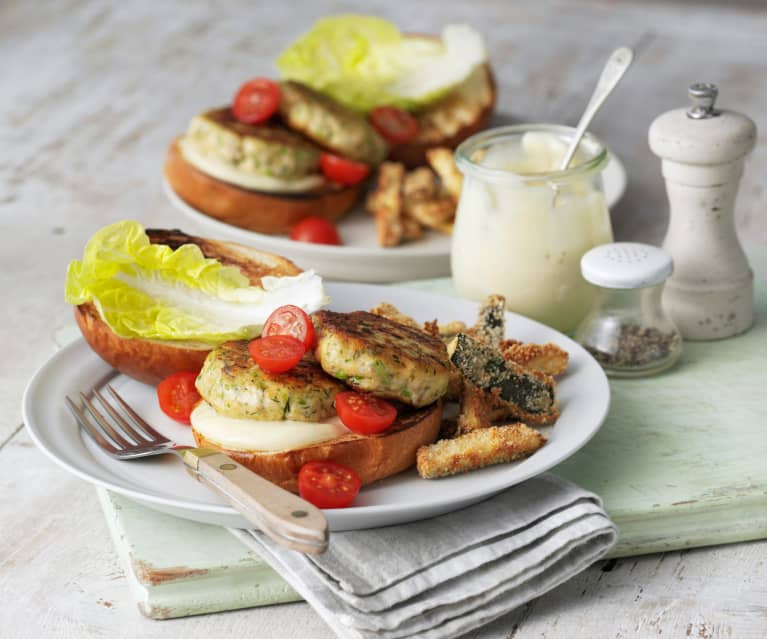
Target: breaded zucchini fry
x=491, y=321
x=386, y=203
x=477, y=449
x=546, y=358
x=442, y=161
x=389, y=311
x=451, y=329
x=500, y=411
x=526, y=391
x=411, y=229
x=474, y=412
x=420, y=184
x=434, y=213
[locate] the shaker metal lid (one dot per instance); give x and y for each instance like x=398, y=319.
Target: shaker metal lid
x=626, y=265
x=702, y=133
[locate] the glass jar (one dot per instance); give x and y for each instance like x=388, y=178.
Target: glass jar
x=628, y=332
x=522, y=225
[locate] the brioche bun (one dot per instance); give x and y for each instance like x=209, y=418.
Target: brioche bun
x=151, y=361
x=453, y=108
x=372, y=457
x=259, y=211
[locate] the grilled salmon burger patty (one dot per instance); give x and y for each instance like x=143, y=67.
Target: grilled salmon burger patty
x=375, y=354
x=272, y=151
x=330, y=124
x=236, y=387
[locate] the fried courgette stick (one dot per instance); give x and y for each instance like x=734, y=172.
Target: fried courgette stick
x=546, y=358
x=524, y=390
x=477, y=449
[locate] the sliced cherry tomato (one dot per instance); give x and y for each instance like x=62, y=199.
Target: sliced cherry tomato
x=364, y=414
x=256, y=101
x=276, y=353
x=178, y=395
x=343, y=170
x=394, y=124
x=291, y=320
x=316, y=230
x=327, y=484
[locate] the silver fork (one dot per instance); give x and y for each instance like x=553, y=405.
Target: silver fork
x=286, y=518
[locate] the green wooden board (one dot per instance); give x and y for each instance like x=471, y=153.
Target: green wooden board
x=681, y=461
x=176, y=567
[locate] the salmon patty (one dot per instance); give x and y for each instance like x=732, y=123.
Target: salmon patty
x=375, y=354
x=235, y=386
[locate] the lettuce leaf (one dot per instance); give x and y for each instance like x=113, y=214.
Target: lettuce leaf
x=364, y=62
x=151, y=291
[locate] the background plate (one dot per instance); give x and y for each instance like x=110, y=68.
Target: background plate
x=162, y=483
x=360, y=258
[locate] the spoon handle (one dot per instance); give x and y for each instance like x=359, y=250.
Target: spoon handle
x=615, y=67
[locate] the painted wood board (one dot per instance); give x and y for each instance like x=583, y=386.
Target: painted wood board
x=681, y=461
x=176, y=567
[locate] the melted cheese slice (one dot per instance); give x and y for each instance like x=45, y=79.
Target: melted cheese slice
x=226, y=172
x=251, y=434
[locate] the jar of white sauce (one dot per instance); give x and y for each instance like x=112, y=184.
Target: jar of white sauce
x=522, y=225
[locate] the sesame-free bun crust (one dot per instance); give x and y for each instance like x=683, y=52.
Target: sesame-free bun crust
x=271, y=213
x=372, y=457
x=151, y=361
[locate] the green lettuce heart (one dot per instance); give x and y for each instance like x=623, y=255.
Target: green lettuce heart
x=151, y=291
x=364, y=62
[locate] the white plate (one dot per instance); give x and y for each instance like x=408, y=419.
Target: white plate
x=162, y=483
x=360, y=259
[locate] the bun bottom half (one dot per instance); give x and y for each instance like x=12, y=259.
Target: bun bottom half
x=372, y=457
x=259, y=211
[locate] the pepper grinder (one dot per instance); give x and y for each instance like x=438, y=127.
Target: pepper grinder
x=710, y=295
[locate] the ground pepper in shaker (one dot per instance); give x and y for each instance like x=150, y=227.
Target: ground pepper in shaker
x=628, y=332
x=710, y=295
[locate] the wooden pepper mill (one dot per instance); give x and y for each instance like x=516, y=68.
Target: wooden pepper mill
x=710, y=295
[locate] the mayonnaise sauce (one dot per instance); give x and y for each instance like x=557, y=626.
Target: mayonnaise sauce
x=524, y=239
x=252, y=434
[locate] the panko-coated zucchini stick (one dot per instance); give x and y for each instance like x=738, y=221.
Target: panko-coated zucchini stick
x=477, y=449
x=491, y=321
x=546, y=358
x=528, y=391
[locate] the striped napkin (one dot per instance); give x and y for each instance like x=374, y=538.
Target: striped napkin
x=452, y=574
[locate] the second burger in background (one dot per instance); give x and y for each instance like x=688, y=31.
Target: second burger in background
x=419, y=91
x=280, y=153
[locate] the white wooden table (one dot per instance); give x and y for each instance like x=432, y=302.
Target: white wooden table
x=91, y=94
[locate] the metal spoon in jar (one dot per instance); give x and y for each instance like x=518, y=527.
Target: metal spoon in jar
x=617, y=64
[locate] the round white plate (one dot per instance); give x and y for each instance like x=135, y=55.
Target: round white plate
x=360, y=259
x=162, y=483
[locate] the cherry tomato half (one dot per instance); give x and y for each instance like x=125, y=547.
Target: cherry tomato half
x=178, y=395
x=316, y=230
x=364, y=414
x=343, y=170
x=276, y=353
x=327, y=484
x=394, y=124
x=291, y=320
x=256, y=101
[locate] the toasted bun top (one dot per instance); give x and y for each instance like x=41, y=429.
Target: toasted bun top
x=151, y=361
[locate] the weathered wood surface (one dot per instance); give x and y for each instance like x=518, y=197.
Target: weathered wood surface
x=92, y=92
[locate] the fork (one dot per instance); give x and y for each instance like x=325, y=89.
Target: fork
x=283, y=516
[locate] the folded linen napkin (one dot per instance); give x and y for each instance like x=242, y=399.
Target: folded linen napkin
x=445, y=576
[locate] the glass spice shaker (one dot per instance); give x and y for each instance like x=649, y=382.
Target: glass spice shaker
x=627, y=331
